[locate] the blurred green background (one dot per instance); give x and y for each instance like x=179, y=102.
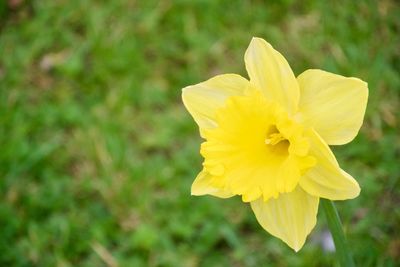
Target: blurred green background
x=97, y=153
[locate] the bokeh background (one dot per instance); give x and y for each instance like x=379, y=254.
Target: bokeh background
x=97, y=153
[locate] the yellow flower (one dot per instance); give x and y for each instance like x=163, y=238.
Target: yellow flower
x=266, y=139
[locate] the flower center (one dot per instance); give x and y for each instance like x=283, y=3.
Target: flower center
x=256, y=150
x=274, y=139
x=276, y=142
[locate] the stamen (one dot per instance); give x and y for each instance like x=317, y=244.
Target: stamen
x=274, y=139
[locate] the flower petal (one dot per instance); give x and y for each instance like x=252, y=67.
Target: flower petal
x=202, y=100
x=202, y=186
x=326, y=179
x=333, y=105
x=290, y=217
x=270, y=72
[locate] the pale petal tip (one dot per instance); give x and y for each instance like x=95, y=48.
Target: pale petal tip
x=296, y=245
x=357, y=191
x=192, y=193
x=259, y=40
x=183, y=95
x=197, y=193
x=184, y=91
x=196, y=189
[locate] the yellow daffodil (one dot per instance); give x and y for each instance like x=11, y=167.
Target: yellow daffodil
x=266, y=139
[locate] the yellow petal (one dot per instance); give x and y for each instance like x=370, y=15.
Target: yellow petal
x=270, y=72
x=326, y=179
x=332, y=104
x=202, y=186
x=202, y=100
x=290, y=217
x=289, y=175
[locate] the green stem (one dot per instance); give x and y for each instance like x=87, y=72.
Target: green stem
x=336, y=228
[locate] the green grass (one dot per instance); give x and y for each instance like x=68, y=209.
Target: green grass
x=98, y=154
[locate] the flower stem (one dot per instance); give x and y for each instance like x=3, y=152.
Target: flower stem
x=336, y=229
